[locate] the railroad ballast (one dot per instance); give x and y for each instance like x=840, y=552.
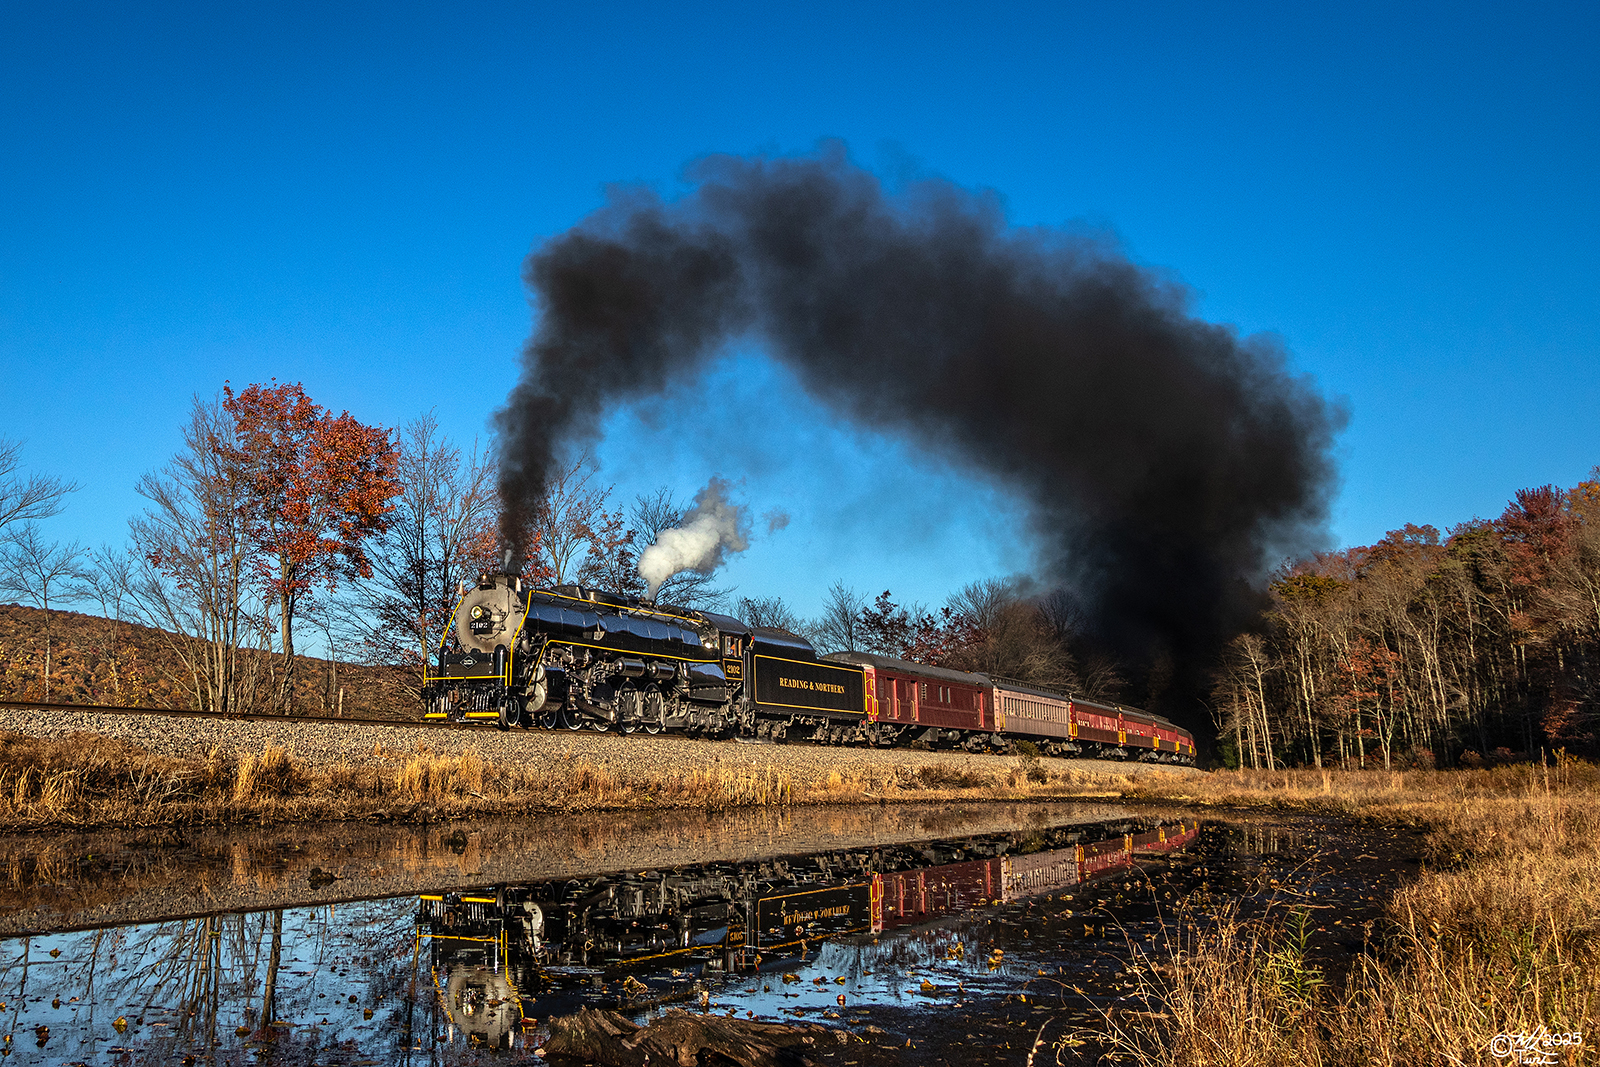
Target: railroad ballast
x=578, y=658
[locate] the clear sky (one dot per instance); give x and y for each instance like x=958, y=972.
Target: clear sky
x=342, y=195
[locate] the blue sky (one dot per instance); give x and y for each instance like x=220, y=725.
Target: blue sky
x=342, y=195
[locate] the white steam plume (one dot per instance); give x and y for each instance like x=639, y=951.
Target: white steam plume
x=714, y=526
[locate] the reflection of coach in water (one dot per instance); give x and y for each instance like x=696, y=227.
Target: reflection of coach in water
x=560, y=942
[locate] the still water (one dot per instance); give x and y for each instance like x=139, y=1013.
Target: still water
x=939, y=937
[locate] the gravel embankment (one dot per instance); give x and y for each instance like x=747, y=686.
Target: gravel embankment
x=317, y=744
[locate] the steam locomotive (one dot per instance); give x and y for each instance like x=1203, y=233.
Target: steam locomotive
x=580, y=658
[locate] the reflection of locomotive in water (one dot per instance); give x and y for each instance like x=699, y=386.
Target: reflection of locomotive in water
x=498, y=953
x=582, y=659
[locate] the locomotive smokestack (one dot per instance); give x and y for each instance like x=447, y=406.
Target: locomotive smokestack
x=1166, y=462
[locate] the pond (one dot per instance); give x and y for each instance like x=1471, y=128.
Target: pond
x=926, y=935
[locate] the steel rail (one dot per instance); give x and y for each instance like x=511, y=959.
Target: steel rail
x=228, y=716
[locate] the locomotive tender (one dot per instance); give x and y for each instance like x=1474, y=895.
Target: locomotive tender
x=579, y=658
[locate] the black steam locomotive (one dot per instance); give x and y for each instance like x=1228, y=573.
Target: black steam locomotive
x=579, y=658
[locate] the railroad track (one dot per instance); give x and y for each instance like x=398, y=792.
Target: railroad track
x=426, y=724
x=115, y=709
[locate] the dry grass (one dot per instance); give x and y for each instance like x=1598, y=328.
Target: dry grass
x=271, y=774
x=1502, y=936
x=88, y=780
x=1388, y=791
x=437, y=778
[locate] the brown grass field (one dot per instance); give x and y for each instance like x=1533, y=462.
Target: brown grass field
x=1499, y=936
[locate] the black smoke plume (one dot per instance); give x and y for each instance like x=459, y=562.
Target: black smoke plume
x=1166, y=463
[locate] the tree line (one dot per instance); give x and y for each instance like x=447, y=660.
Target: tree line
x=1483, y=644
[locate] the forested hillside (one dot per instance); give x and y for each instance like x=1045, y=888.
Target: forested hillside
x=1481, y=644
x=98, y=661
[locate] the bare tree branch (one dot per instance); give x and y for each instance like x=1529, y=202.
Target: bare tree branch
x=45, y=573
x=27, y=499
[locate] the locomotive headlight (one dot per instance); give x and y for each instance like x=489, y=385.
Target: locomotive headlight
x=477, y=612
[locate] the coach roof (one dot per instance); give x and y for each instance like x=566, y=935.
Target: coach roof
x=921, y=670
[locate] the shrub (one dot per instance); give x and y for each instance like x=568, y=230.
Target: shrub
x=944, y=776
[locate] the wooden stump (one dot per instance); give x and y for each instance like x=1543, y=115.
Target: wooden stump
x=680, y=1039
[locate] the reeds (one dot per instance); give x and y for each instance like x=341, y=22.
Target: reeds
x=1501, y=937
x=270, y=775
x=1240, y=993
x=1357, y=790
x=436, y=777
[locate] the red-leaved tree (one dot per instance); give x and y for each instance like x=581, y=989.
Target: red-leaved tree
x=317, y=486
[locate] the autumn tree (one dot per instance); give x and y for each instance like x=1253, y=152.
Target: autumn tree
x=991, y=626
x=906, y=632
x=1240, y=702
x=987, y=626
x=440, y=533
x=193, y=577
x=317, y=487
x=1481, y=644
x=573, y=536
